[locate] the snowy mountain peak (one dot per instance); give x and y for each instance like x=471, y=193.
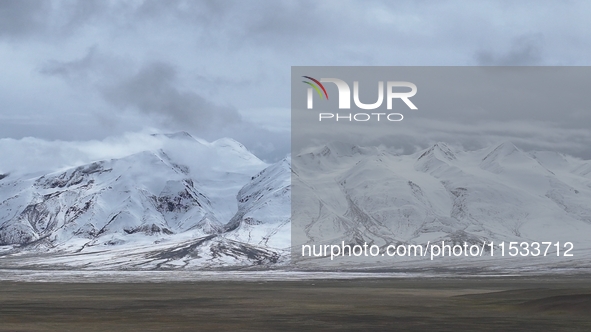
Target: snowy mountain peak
x=228, y=142
x=436, y=195
x=333, y=153
x=435, y=158
x=551, y=160
x=336, y=149
x=507, y=156
x=332, y=150
x=178, y=135
x=439, y=150
x=264, y=201
x=342, y=149
x=502, y=150
x=583, y=170
x=168, y=206
x=198, y=205
x=229, y=145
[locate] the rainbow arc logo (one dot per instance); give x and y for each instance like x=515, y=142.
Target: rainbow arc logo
x=317, y=86
x=344, y=94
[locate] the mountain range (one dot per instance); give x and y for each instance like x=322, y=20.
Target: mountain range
x=194, y=204
x=348, y=194
x=189, y=204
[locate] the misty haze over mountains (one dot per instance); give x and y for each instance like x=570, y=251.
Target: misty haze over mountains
x=192, y=204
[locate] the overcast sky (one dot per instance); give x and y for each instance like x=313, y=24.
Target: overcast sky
x=90, y=69
x=468, y=107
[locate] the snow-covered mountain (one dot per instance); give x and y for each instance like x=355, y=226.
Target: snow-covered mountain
x=354, y=194
x=191, y=203
x=262, y=217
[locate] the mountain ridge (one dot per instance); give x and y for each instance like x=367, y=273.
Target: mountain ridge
x=178, y=192
x=192, y=204
x=499, y=193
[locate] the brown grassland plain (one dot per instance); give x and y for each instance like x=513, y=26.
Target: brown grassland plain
x=422, y=304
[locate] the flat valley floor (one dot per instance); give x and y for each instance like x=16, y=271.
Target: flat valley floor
x=556, y=303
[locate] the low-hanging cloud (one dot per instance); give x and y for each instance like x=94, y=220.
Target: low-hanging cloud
x=87, y=69
x=151, y=90
x=31, y=155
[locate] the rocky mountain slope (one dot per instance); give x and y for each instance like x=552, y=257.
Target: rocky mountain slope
x=372, y=195
x=192, y=203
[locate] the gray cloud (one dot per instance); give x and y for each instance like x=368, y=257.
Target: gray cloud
x=71, y=70
x=152, y=91
x=534, y=107
x=87, y=69
x=523, y=51
x=20, y=18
